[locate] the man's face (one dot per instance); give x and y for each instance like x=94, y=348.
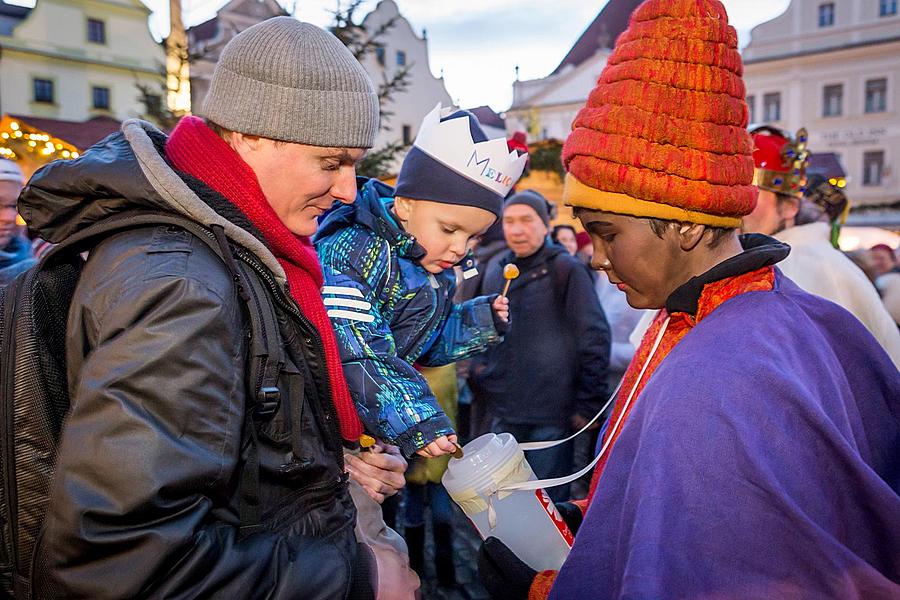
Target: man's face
x=770, y=216
x=641, y=264
x=300, y=182
x=882, y=260
x=446, y=231
x=523, y=229
x=9, y=193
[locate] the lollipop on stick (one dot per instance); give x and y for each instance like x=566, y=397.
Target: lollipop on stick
x=510, y=272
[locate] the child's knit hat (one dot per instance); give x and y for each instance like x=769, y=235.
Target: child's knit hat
x=663, y=133
x=453, y=162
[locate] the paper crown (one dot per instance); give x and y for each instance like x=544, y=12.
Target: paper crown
x=489, y=164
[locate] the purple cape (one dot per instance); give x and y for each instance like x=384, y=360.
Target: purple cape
x=762, y=460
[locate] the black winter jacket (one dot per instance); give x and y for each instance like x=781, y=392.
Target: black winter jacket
x=145, y=497
x=552, y=363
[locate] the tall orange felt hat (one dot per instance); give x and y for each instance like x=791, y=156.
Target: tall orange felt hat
x=664, y=132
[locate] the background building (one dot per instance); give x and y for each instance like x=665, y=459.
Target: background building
x=834, y=67
x=77, y=59
x=400, y=48
x=546, y=107
x=206, y=40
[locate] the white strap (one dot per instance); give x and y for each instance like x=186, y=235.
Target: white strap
x=526, y=446
x=549, y=483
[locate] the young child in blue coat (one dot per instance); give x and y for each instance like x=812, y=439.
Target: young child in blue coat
x=388, y=262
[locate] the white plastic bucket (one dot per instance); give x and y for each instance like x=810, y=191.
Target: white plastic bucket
x=525, y=520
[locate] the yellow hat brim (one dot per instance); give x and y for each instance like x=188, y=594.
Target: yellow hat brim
x=577, y=194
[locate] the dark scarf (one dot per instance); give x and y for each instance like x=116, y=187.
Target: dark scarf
x=198, y=151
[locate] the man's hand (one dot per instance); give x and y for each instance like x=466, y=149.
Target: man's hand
x=446, y=444
x=501, y=308
x=379, y=470
x=504, y=576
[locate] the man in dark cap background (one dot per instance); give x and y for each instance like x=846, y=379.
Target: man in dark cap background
x=544, y=380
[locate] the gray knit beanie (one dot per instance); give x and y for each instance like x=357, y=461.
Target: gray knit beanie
x=533, y=199
x=287, y=80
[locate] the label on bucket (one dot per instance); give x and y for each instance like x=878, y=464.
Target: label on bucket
x=557, y=518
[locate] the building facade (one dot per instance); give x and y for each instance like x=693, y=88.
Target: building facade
x=77, y=59
x=206, y=40
x=546, y=107
x=401, y=48
x=833, y=66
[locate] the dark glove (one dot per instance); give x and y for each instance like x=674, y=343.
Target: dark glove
x=503, y=575
x=571, y=514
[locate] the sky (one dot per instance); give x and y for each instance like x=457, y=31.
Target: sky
x=478, y=44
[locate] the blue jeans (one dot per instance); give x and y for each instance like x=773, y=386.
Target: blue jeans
x=436, y=497
x=552, y=462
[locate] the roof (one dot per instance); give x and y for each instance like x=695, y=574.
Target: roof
x=605, y=29
x=204, y=31
x=486, y=116
x=825, y=163
x=82, y=134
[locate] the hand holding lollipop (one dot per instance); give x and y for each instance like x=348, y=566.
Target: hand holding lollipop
x=510, y=272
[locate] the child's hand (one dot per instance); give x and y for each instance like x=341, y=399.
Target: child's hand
x=442, y=445
x=501, y=307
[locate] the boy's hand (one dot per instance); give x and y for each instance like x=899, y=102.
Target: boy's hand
x=501, y=307
x=442, y=445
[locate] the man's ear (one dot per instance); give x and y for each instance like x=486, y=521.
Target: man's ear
x=789, y=208
x=243, y=144
x=689, y=235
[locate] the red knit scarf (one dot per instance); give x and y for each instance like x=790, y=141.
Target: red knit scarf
x=198, y=151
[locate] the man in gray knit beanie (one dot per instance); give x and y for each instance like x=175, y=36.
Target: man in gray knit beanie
x=202, y=453
x=291, y=81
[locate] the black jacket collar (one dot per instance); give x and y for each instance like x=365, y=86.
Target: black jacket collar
x=759, y=251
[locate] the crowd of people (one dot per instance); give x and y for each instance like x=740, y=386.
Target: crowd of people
x=753, y=441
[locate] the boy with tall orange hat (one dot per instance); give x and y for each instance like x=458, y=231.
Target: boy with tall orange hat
x=752, y=450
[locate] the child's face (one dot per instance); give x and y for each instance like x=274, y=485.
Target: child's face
x=446, y=231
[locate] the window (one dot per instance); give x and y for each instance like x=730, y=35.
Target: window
x=96, y=30
x=751, y=104
x=876, y=95
x=100, y=97
x=888, y=8
x=407, y=135
x=772, y=107
x=873, y=166
x=43, y=90
x=379, y=55
x=401, y=58
x=832, y=103
x=826, y=14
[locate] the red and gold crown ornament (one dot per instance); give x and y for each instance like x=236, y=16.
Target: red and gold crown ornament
x=780, y=161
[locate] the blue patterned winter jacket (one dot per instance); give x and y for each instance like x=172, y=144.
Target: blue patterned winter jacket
x=388, y=313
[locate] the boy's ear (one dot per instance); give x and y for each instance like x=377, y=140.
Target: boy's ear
x=403, y=208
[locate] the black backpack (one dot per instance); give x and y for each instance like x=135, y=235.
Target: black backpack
x=34, y=399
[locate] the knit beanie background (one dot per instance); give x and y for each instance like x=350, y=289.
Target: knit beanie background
x=533, y=199
x=663, y=133
x=291, y=81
